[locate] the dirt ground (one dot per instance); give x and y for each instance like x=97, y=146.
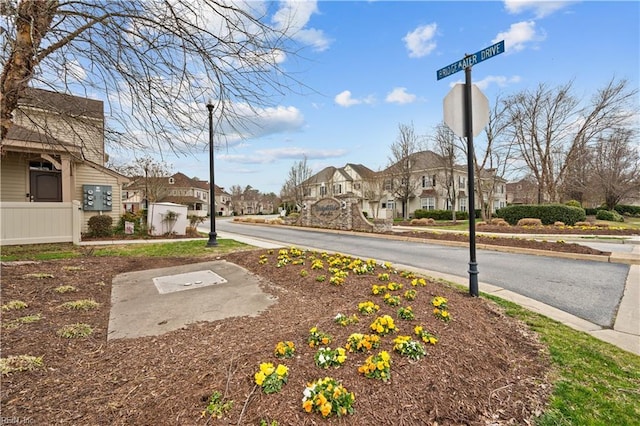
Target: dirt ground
x=485, y=369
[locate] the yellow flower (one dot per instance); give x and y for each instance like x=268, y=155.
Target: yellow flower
x=307, y=405
x=282, y=370
x=326, y=409
x=260, y=376
x=418, y=329
x=385, y=356
x=321, y=400
x=267, y=368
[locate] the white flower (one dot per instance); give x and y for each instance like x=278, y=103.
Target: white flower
x=308, y=393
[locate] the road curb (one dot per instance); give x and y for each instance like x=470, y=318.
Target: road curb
x=615, y=257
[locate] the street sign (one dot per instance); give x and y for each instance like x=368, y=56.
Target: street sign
x=454, y=110
x=471, y=60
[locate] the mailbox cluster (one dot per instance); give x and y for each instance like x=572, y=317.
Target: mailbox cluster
x=97, y=197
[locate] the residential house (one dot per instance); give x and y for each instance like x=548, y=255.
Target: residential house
x=54, y=153
x=524, y=191
x=422, y=181
x=425, y=181
x=179, y=189
x=251, y=201
x=349, y=181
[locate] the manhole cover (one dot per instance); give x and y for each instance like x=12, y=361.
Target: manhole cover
x=188, y=281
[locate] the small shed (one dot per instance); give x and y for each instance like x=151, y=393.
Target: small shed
x=167, y=218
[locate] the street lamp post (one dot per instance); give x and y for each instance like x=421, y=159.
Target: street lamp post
x=212, y=191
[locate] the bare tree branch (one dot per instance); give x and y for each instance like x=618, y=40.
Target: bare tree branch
x=156, y=62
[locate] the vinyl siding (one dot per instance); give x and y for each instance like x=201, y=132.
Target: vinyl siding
x=86, y=175
x=14, y=184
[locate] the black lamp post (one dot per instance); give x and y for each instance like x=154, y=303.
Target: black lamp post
x=212, y=191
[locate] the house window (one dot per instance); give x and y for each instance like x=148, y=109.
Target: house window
x=171, y=181
x=428, y=203
x=383, y=205
x=390, y=204
x=388, y=184
x=337, y=188
x=428, y=181
x=306, y=192
x=447, y=204
x=356, y=186
x=462, y=182
x=463, y=204
x=323, y=191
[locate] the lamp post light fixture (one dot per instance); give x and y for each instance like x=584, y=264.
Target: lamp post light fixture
x=212, y=186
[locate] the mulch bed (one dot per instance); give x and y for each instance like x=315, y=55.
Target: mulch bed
x=487, y=368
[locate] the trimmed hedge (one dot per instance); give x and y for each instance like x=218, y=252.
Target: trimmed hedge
x=627, y=210
x=100, y=226
x=439, y=214
x=610, y=215
x=623, y=209
x=547, y=213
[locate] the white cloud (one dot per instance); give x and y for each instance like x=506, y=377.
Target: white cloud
x=420, y=42
x=267, y=156
x=259, y=122
x=399, y=95
x=539, y=8
x=345, y=99
x=499, y=80
x=293, y=16
x=518, y=35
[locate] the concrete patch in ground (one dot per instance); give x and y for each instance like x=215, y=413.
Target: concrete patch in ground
x=139, y=309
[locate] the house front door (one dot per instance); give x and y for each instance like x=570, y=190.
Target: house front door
x=45, y=185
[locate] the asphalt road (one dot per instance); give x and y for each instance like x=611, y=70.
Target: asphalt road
x=586, y=289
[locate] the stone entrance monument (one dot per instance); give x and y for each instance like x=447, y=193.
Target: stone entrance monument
x=343, y=213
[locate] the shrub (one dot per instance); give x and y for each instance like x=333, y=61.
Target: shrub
x=100, y=226
x=423, y=221
x=610, y=215
x=573, y=203
x=138, y=219
x=627, y=210
x=547, y=213
x=528, y=221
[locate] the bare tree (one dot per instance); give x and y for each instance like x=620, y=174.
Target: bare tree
x=293, y=188
x=373, y=191
x=444, y=145
x=157, y=62
x=615, y=166
x=551, y=130
x=149, y=177
x=400, y=180
x=491, y=160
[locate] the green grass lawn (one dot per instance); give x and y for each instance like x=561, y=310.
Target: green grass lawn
x=595, y=383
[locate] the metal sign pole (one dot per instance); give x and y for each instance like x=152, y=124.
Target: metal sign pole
x=473, y=264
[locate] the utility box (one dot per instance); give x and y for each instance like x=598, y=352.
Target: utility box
x=167, y=219
x=97, y=198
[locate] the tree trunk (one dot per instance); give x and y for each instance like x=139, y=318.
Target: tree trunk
x=33, y=20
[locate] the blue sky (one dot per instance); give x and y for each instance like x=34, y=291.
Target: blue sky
x=372, y=66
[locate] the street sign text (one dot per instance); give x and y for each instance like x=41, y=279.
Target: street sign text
x=471, y=60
